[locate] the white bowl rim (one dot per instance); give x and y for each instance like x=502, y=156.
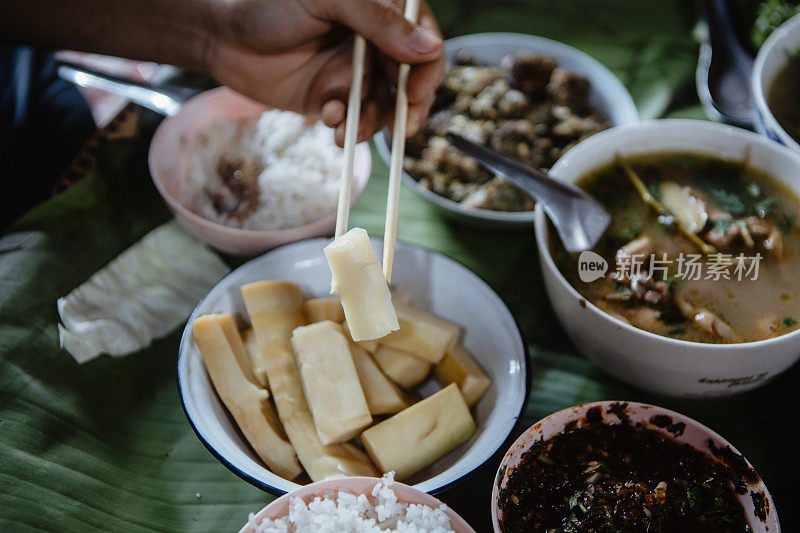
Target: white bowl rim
x=625, y=101
x=574, y=411
x=263, y=485
x=757, y=83
x=362, y=154
x=710, y=128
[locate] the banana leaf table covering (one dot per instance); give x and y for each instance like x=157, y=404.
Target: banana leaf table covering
x=106, y=447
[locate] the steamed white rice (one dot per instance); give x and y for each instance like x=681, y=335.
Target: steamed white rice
x=298, y=169
x=343, y=512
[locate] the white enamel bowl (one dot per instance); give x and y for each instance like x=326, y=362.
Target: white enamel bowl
x=436, y=284
x=772, y=57
x=608, y=95
x=650, y=361
x=692, y=433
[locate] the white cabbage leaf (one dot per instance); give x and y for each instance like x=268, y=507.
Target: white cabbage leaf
x=143, y=294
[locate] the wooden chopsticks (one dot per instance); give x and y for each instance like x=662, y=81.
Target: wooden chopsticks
x=398, y=146
x=398, y=153
x=350, y=135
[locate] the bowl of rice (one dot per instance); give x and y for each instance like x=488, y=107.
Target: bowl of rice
x=245, y=178
x=356, y=505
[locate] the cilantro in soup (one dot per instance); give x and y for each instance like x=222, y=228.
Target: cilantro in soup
x=698, y=249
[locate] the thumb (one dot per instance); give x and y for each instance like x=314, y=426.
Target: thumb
x=382, y=23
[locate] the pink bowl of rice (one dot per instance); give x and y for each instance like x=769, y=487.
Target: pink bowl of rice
x=356, y=505
x=293, y=169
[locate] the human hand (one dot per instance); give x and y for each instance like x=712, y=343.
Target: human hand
x=296, y=55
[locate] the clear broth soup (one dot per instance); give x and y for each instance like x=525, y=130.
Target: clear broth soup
x=744, y=287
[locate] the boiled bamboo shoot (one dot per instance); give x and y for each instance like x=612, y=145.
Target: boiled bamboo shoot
x=383, y=396
x=361, y=285
x=403, y=368
x=265, y=302
x=278, y=308
x=319, y=309
x=247, y=402
x=330, y=382
x=421, y=434
x=458, y=366
x=422, y=334
x=250, y=343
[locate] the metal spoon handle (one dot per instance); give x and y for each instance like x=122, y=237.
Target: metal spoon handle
x=166, y=100
x=538, y=184
x=579, y=219
x=724, y=68
x=722, y=33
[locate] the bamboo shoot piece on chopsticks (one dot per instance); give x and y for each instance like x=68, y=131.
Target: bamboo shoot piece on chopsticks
x=350, y=138
x=330, y=382
x=219, y=343
x=370, y=345
x=275, y=309
x=398, y=150
x=365, y=295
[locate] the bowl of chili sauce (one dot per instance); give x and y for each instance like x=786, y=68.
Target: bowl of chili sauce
x=627, y=467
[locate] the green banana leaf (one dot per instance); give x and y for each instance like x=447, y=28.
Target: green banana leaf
x=106, y=447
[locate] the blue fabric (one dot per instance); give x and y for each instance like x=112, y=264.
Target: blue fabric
x=44, y=121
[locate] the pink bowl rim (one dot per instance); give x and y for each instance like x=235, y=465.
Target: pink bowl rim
x=575, y=412
x=360, y=180
x=308, y=492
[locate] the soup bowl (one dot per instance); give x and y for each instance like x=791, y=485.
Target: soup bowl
x=772, y=57
x=685, y=430
x=654, y=362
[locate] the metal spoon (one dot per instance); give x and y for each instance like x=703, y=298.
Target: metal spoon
x=724, y=69
x=579, y=219
x=165, y=99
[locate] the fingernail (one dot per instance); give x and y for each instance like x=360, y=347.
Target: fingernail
x=423, y=41
x=333, y=111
